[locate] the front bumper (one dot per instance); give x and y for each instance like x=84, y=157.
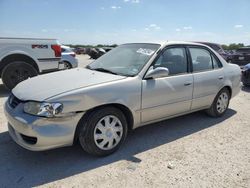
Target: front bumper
x=38, y=133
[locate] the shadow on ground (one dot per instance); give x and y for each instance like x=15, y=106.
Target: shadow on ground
x=22, y=168
x=3, y=91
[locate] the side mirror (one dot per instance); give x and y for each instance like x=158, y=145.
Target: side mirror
x=158, y=72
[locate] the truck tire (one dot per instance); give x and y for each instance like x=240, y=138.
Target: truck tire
x=16, y=72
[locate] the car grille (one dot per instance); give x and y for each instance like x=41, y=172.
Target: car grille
x=14, y=101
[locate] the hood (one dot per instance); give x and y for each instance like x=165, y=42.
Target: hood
x=41, y=87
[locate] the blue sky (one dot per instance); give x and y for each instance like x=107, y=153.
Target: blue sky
x=121, y=21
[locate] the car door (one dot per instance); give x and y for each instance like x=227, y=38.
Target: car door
x=208, y=76
x=171, y=95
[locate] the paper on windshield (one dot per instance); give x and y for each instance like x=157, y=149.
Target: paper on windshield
x=145, y=51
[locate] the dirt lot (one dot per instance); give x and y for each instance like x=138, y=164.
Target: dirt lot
x=189, y=151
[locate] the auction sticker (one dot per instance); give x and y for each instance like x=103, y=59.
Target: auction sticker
x=145, y=51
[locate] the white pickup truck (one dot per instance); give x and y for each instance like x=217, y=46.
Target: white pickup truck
x=21, y=58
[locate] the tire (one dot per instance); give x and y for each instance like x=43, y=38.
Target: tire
x=67, y=65
x=220, y=104
x=97, y=136
x=16, y=72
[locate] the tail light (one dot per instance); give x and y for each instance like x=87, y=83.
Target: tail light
x=57, y=50
x=73, y=55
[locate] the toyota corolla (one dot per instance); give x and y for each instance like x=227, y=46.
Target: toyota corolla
x=130, y=86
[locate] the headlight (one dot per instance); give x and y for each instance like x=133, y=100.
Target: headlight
x=43, y=109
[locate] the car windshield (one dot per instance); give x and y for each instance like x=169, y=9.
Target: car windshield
x=126, y=60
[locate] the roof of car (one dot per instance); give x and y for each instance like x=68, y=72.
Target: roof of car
x=203, y=42
x=162, y=43
x=66, y=47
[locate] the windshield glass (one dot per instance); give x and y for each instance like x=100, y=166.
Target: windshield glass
x=127, y=59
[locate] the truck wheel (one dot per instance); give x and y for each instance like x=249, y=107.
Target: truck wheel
x=103, y=131
x=16, y=72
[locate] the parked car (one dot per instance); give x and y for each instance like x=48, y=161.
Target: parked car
x=68, y=58
x=95, y=53
x=107, y=49
x=245, y=77
x=241, y=56
x=219, y=50
x=21, y=58
x=131, y=86
x=79, y=50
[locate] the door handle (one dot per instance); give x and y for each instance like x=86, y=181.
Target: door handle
x=187, y=84
x=221, y=77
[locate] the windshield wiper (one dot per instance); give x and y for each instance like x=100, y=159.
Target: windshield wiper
x=103, y=70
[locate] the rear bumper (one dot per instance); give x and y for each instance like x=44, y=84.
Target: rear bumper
x=72, y=60
x=37, y=133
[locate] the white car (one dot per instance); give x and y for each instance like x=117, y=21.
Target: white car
x=131, y=86
x=68, y=58
x=21, y=58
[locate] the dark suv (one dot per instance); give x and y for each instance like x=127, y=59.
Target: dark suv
x=218, y=49
x=241, y=56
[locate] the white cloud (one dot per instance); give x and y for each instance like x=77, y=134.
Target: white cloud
x=238, y=26
x=132, y=1
x=102, y=8
x=178, y=30
x=153, y=27
x=44, y=30
x=188, y=27
x=68, y=30
x=147, y=29
x=115, y=7
x=134, y=30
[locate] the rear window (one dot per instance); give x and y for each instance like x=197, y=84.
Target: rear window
x=215, y=47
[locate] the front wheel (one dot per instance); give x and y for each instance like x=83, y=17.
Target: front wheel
x=220, y=104
x=103, y=131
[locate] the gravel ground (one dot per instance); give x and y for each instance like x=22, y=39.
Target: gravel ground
x=188, y=151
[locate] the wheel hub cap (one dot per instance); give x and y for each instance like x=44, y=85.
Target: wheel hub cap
x=222, y=102
x=108, y=132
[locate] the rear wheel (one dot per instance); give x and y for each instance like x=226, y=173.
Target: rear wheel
x=103, y=131
x=220, y=104
x=16, y=72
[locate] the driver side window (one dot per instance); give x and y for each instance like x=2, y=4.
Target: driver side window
x=174, y=59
